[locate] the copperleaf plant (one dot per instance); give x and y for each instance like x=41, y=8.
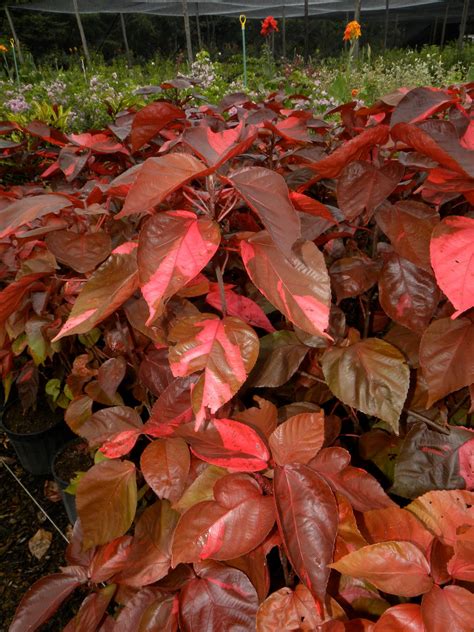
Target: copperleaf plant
x=270, y=330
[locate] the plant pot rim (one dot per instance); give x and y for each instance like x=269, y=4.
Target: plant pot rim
x=14, y=434
x=60, y=451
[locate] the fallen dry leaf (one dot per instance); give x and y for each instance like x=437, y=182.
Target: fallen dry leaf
x=51, y=491
x=40, y=543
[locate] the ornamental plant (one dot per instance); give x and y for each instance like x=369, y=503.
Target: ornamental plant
x=279, y=362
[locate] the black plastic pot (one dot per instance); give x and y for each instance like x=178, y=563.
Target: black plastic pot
x=36, y=450
x=69, y=500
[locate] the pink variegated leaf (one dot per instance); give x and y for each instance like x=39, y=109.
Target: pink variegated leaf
x=103, y=293
x=298, y=286
x=242, y=307
x=157, y=178
x=266, y=193
x=213, y=529
x=215, y=148
x=224, y=350
x=227, y=443
x=173, y=248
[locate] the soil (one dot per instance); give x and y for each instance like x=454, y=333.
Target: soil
x=75, y=457
x=20, y=519
x=34, y=420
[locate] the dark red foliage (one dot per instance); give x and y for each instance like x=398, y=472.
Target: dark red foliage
x=265, y=325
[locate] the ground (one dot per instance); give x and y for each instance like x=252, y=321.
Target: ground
x=20, y=519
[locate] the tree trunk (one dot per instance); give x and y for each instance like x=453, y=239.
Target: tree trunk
x=198, y=25
x=125, y=39
x=81, y=31
x=187, y=30
x=445, y=22
x=15, y=37
x=462, y=26
x=385, y=32
x=357, y=6
x=306, y=30
x=283, y=34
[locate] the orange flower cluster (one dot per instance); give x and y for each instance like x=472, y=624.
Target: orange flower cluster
x=3, y=49
x=269, y=26
x=352, y=31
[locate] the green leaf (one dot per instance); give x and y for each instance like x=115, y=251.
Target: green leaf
x=370, y=375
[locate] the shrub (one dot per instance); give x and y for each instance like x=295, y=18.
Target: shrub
x=269, y=323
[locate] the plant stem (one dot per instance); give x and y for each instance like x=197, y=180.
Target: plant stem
x=220, y=283
x=428, y=421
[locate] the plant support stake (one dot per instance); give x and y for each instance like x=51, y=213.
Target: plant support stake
x=243, y=20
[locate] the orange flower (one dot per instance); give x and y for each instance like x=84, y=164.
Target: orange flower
x=354, y=93
x=352, y=31
x=3, y=49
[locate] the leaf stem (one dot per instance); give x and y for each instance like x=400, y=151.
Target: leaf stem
x=220, y=283
x=428, y=421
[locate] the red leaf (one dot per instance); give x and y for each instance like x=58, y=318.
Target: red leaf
x=398, y=568
x=172, y=249
x=41, y=601
x=106, y=290
x=28, y=209
x=172, y=408
x=408, y=225
x=307, y=518
x=229, y=444
x=109, y=559
x=419, y=104
x=150, y=554
x=298, y=439
x=12, y=295
x=216, y=148
x=354, y=149
x=263, y=417
x=266, y=193
x=363, y=186
x=351, y=276
x=309, y=205
x=405, y=617
x=134, y=609
x=108, y=490
x=158, y=178
x=408, y=294
x=452, y=258
x=150, y=120
x=394, y=523
x=448, y=608
x=242, y=307
x=423, y=143
x=444, y=511
x=299, y=287
x=160, y=615
x=286, y=609
x=165, y=466
x=220, y=598
x=107, y=423
x=461, y=564
x=362, y=490
x=81, y=252
x=225, y=350
x=92, y=610
x=99, y=143
x=447, y=357
x=213, y=529
x=111, y=374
